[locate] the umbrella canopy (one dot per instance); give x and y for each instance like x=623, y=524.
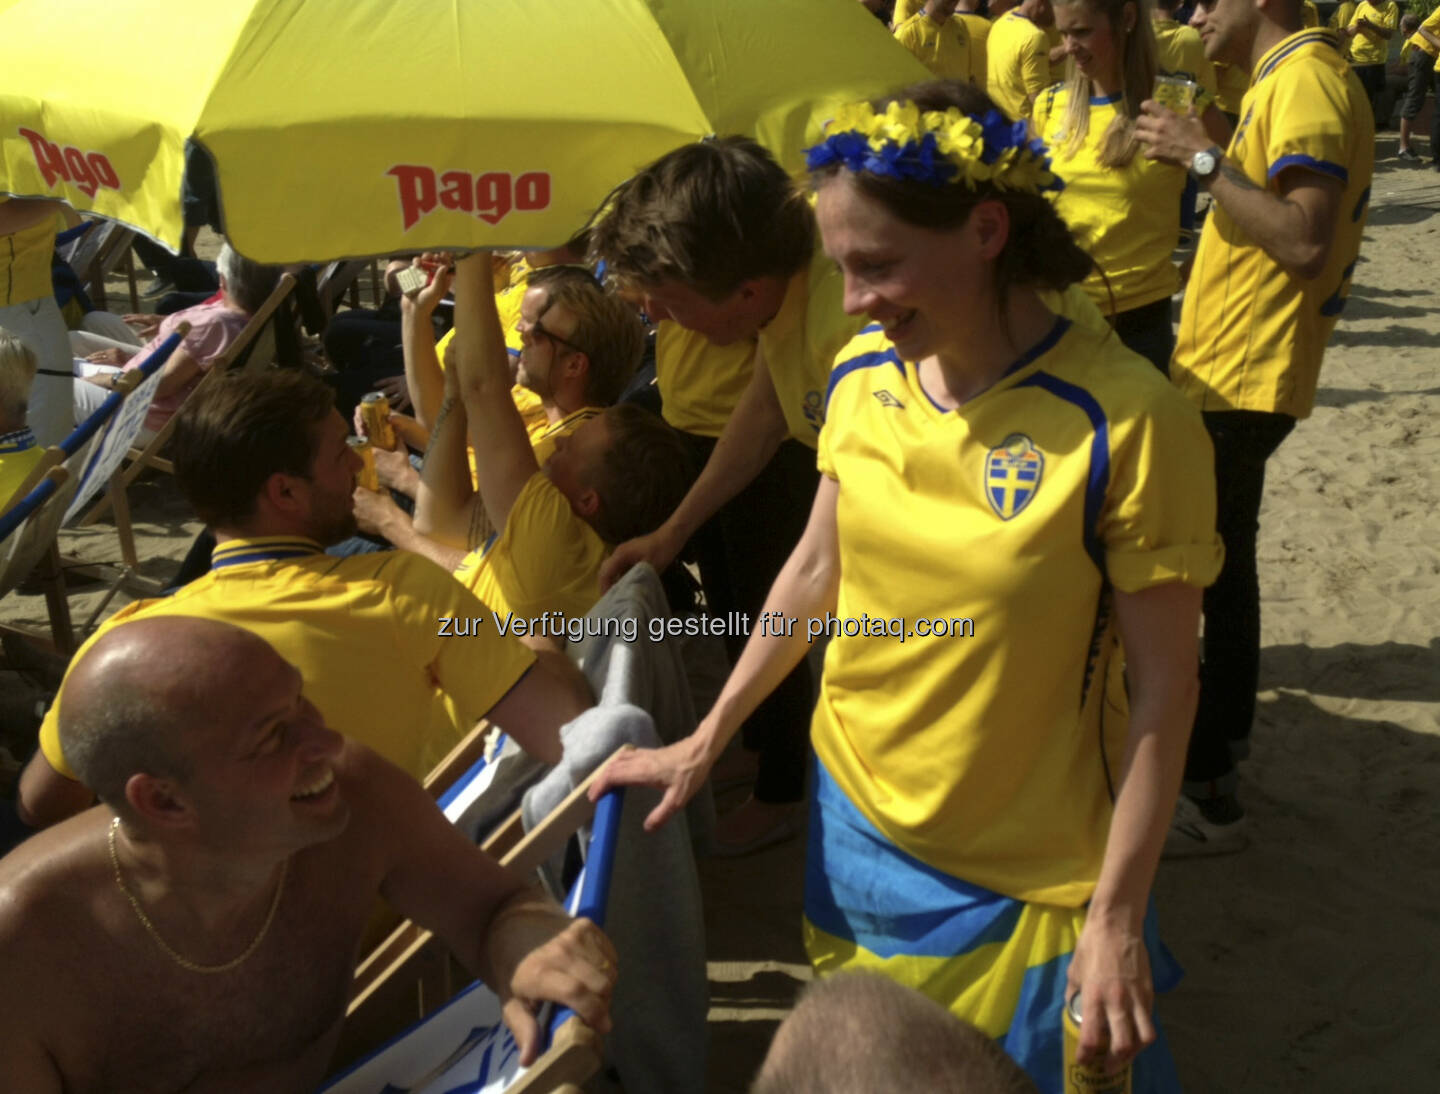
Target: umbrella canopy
x=345, y=128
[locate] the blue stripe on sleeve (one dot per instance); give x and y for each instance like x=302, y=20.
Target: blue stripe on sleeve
x=1324, y=167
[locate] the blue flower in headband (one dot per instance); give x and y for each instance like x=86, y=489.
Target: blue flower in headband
x=935, y=147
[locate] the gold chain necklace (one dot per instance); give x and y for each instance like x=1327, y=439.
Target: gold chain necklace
x=184, y=962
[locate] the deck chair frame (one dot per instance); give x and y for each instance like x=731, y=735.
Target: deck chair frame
x=148, y=455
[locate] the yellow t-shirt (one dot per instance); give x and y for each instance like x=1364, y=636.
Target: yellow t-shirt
x=943, y=48
x=700, y=382
x=978, y=28
x=25, y=261
x=545, y=559
x=1180, y=52
x=363, y=631
x=1365, y=50
x=19, y=453
x=544, y=445
x=799, y=345
x=1017, y=63
x=904, y=9
x=1127, y=217
x=1251, y=335
x=984, y=754
x=1417, y=40
x=1232, y=82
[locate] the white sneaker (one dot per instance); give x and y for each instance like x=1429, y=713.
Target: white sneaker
x=1193, y=835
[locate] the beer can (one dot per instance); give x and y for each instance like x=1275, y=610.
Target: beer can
x=366, y=476
x=1079, y=1078
x=375, y=413
x=1176, y=93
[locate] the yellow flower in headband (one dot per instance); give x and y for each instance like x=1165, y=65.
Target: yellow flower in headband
x=935, y=147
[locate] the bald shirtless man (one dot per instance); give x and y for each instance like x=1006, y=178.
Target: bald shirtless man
x=198, y=930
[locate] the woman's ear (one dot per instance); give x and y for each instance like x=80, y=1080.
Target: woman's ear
x=990, y=221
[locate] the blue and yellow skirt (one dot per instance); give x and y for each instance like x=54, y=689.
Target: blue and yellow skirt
x=996, y=962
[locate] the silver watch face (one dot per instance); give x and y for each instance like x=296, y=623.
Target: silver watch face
x=1202, y=163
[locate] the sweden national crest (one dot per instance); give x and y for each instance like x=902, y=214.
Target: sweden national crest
x=1012, y=475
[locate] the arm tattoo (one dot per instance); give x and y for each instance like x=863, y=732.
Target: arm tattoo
x=446, y=406
x=1237, y=176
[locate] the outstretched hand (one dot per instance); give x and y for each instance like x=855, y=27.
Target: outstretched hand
x=1111, y=970
x=679, y=770
x=655, y=548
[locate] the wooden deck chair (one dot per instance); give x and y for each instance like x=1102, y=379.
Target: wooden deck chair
x=148, y=455
x=464, y=1045
x=95, y=253
x=410, y=973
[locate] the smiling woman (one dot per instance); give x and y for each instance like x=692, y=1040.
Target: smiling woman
x=988, y=815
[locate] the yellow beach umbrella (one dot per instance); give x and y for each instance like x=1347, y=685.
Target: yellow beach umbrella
x=343, y=128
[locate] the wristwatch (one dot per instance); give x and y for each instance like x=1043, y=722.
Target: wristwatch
x=1205, y=165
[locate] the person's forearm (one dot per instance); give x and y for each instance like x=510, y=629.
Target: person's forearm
x=1280, y=227
x=446, y=491
x=806, y=587
x=1432, y=39
x=423, y=375
x=750, y=438
x=45, y=797
x=1154, y=764
x=1375, y=32
x=401, y=532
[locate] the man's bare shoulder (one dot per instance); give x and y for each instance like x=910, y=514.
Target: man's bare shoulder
x=49, y=882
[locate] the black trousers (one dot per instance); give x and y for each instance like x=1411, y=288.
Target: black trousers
x=740, y=551
x=1148, y=331
x=1230, y=672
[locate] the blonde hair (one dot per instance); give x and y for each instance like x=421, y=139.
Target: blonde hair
x=17, y=374
x=1138, y=68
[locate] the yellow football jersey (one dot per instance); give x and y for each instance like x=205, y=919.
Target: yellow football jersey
x=545, y=559
x=1232, y=81
x=943, y=48
x=371, y=618
x=19, y=453
x=1432, y=24
x=1127, y=217
x=1180, y=52
x=799, y=345
x=544, y=445
x=1251, y=335
x=904, y=9
x=1365, y=50
x=700, y=382
x=25, y=261
x=982, y=748
x=978, y=29
x=1017, y=63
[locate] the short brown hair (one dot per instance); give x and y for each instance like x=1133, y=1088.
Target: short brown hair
x=710, y=216
x=241, y=429
x=644, y=475
x=607, y=328
x=858, y=1032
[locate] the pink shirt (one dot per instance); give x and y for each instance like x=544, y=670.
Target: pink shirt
x=213, y=327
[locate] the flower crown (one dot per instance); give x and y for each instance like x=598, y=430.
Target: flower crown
x=935, y=147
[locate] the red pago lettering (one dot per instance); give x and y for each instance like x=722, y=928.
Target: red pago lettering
x=489, y=196
x=87, y=170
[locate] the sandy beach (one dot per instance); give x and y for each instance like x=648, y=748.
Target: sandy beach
x=1313, y=957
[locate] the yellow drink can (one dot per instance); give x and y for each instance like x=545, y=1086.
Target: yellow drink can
x=366, y=476
x=1079, y=1078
